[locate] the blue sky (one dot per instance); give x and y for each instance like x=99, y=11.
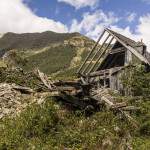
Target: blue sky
x=64, y=12
x=89, y=17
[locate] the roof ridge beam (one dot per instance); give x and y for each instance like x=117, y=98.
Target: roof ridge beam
x=131, y=49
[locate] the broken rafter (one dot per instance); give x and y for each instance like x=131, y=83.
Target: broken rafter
x=22, y=89
x=99, y=73
x=94, y=56
x=100, y=56
x=96, y=44
x=119, y=105
x=130, y=108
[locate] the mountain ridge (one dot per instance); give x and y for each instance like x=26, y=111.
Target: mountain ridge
x=31, y=40
x=46, y=50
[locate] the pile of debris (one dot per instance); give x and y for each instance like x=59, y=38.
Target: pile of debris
x=19, y=89
x=103, y=96
x=22, y=78
x=14, y=99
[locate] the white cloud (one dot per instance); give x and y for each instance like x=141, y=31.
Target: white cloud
x=80, y=3
x=93, y=23
x=15, y=16
x=131, y=17
x=142, y=31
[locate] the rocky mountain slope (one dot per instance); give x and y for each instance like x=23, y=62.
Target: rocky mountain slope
x=49, y=51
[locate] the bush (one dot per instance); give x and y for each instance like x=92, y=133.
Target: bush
x=33, y=124
x=145, y=128
x=137, y=81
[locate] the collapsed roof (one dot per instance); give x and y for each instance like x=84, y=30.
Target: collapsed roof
x=108, y=40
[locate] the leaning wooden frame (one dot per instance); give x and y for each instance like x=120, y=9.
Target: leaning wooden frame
x=110, y=54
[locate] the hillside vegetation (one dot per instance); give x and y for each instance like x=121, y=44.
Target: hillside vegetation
x=33, y=40
x=49, y=51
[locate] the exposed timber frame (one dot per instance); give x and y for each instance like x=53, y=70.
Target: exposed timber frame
x=131, y=49
x=98, y=54
x=96, y=44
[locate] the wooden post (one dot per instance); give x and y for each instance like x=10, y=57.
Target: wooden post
x=109, y=78
x=104, y=79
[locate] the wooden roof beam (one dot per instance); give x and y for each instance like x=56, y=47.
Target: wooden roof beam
x=96, y=44
x=94, y=56
x=98, y=59
x=131, y=49
x=118, y=50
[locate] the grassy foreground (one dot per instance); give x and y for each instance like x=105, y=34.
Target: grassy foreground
x=53, y=126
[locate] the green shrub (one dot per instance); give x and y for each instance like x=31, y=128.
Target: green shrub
x=145, y=128
x=33, y=124
x=137, y=81
x=53, y=126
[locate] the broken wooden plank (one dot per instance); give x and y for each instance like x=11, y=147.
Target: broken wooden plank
x=45, y=80
x=99, y=73
x=130, y=108
x=71, y=82
x=119, y=105
x=67, y=88
x=22, y=89
x=117, y=50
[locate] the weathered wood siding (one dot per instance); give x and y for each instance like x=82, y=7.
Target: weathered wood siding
x=115, y=82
